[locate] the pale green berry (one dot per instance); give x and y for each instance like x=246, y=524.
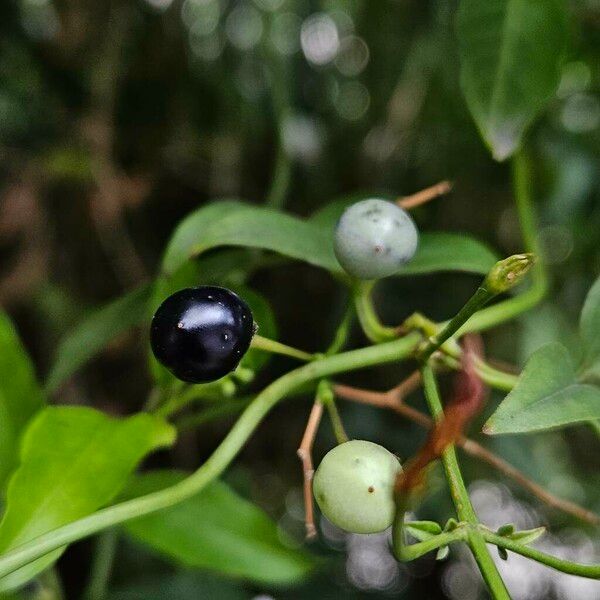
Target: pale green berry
x=374, y=238
x=354, y=486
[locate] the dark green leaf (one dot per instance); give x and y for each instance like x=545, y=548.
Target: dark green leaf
x=181, y=586
x=511, y=52
x=502, y=553
x=589, y=328
x=95, y=332
x=73, y=461
x=546, y=396
x=439, y=252
x=20, y=394
x=229, y=223
x=217, y=530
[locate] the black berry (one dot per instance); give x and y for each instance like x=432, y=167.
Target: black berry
x=201, y=334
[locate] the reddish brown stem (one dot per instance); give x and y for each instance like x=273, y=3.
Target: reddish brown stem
x=305, y=455
x=414, y=200
x=394, y=400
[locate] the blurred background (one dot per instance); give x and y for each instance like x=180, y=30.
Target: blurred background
x=119, y=117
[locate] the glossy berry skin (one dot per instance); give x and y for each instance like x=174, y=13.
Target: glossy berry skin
x=200, y=334
x=354, y=486
x=374, y=238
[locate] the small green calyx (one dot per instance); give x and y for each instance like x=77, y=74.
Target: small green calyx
x=507, y=273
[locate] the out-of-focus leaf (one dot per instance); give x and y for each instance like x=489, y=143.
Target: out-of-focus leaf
x=546, y=396
x=95, y=332
x=229, y=223
x=511, y=52
x=73, y=461
x=217, y=530
x=20, y=394
x=589, y=328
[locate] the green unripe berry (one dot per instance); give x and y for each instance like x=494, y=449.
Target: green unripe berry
x=374, y=238
x=354, y=486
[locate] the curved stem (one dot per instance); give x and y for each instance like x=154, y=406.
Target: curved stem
x=566, y=566
x=102, y=566
x=261, y=343
x=511, y=308
x=367, y=317
x=282, y=172
x=342, y=333
x=218, y=461
x=460, y=496
x=408, y=552
x=477, y=300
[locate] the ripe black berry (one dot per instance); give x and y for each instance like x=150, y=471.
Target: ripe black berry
x=201, y=334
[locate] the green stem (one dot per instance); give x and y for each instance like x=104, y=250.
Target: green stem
x=460, y=496
x=186, y=396
x=342, y=333
x=336, y=422
x=282, y=173
x=495, y=377
x=408, y=552
x=367, y=317
x=218, y=461
x=500, y=380
x=481, y=297
x=102, y=566
x=566, y=566
x=502, y=276
x=509, y=309
x=262, y=343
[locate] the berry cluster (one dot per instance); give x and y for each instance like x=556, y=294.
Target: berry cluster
x=201, y=334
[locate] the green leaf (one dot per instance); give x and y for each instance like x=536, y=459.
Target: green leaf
x=546, y=396
x=217, y=530
x=74, y=460
x=95, y=332
x=229, y=223
x=442, y=553
x=20, y=395
x=439, y=252
x=589, y=327
x=511, y=52
x=422, y=530
x=527, y=536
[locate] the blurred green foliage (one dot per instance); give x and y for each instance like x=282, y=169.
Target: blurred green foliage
x=119, y=118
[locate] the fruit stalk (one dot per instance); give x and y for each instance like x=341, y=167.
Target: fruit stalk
x=460, y=497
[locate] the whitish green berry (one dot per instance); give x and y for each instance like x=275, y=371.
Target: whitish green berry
x=354, y=486
x=374, y=238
